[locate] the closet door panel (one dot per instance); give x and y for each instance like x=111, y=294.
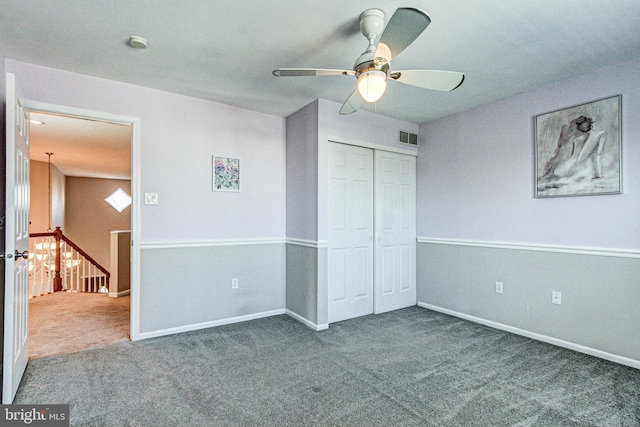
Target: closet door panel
x=395, y=231
x=350, y=232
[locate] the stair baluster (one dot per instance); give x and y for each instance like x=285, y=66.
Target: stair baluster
x=58, y=264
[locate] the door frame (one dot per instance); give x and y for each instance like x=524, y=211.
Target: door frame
x=135, y=191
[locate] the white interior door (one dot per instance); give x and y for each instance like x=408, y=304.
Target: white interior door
x=350, y=232
x=16, y=297
x=395, y=217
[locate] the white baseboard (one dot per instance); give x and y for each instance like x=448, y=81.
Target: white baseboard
x=307, y=322
x=533, y=335
x=120, y=294
x=211, y=324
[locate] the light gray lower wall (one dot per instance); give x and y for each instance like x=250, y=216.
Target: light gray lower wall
x=302, y=283
x=185, y=288
x=323, y=286
x=307, y=294
x=600, y=294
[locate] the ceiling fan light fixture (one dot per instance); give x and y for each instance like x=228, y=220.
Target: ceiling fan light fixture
x=372, y=67
x=372, y=84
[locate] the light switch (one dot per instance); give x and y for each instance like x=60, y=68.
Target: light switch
x=150, y=198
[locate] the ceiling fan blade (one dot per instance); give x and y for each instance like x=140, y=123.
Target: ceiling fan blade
x=297, y=72
x=352, y=104
x=403, y=28
x=429, y=79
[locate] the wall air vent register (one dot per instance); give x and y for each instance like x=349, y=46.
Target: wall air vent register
x=408, y=138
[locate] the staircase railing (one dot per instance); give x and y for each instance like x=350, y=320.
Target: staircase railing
x=58, y=264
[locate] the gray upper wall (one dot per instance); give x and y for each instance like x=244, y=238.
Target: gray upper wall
x=476, y=171
x=302, y=173
x=178, y=137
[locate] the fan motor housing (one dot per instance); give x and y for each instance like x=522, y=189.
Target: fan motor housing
x=371, y=26
x=370, y=65
x=371, y=23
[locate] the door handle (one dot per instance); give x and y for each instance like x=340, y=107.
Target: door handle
x=24, y=254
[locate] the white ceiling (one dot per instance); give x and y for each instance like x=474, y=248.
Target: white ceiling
x=82, y=147
x=225, y=50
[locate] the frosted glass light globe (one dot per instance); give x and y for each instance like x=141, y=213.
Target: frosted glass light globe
x=372, y=84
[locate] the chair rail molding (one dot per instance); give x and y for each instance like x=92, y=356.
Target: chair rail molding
x=211, y=243
x=611, y=252
x=316, y=244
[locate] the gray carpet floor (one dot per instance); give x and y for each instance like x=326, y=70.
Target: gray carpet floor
x=411, y=367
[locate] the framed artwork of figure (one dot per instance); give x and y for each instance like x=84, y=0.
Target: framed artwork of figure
x=578, y=150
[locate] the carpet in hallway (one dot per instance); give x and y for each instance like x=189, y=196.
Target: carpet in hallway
x=63, y=322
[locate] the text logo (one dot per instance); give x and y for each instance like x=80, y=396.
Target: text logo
x=35, y=415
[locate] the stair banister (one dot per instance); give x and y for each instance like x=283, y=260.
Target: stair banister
x=59, y=237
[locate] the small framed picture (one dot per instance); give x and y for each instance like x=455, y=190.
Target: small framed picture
x=226, y=174
x=578, y=150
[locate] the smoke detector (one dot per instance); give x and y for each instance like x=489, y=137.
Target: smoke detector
x=137, y=42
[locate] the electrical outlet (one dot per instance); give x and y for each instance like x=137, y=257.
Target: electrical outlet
x=234, y=283
x=556, y=298
x=499, y=287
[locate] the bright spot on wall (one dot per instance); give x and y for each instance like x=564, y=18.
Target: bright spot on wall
x=119, y=200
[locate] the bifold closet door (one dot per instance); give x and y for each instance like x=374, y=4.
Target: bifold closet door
x=395, y=231
x=350, y=232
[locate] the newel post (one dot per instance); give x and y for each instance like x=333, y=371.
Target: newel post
x=57, y=278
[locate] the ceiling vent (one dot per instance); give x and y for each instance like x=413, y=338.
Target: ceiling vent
x=408, y=138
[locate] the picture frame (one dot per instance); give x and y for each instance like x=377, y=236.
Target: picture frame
x=226, y=173
x=578, y=150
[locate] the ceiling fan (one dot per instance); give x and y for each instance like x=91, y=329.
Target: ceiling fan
x=372, y=67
